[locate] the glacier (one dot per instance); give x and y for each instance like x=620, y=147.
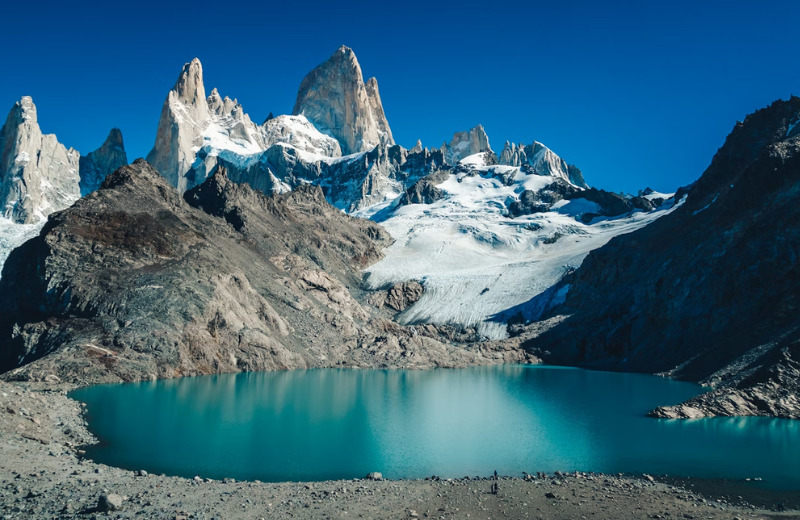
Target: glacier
x=474, y=261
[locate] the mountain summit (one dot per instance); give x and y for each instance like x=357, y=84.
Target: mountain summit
x=38, y=175
x=336, y=100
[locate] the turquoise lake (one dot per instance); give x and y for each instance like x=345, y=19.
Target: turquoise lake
x=333, y=424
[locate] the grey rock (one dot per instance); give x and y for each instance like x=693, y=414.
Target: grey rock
x=336, y=100
x=97, y=165
x=109, y=502
x=221, y=279
x=184, y=116
x=38, y=175
x=541, y=160
x=375, y=475
x=464, y=144
x=403, y=295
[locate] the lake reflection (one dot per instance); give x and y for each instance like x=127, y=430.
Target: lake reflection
x=329, y=424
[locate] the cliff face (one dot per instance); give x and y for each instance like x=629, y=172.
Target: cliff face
x=184, y=117
x=709, y=292
x=135, y=281
x=336, y=100
x=96, y=165
x=38, y=175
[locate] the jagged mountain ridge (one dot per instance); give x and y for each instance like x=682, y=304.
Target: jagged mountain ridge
x=336, y=113
x=709, y=292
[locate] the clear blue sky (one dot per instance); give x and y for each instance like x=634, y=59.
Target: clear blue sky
x=635, y=93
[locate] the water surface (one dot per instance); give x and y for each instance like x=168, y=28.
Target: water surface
x=331, y=424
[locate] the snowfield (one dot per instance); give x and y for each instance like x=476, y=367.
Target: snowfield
x=475, y=262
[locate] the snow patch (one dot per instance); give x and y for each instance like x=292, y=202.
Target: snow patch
x=13, y=235
x=706, y=206
x=22, y=157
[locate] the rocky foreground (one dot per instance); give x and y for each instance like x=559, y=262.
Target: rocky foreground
x=42, y=475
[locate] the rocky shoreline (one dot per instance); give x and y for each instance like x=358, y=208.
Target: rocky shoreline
x=43, y=475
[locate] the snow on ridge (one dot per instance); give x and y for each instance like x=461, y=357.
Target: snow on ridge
x=474, y=261
x=658, y=195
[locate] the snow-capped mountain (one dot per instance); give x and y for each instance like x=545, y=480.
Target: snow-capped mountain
x=542, y=160
x=464, y=144
x=482, y=233
x=479, y=263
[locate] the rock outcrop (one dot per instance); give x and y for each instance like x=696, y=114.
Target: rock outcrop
x=97, y=165
x=542, y=160
x=709, y=292
x=38, y=175
x=464, y=144
x=135, y=281
x=336, y=100
x=184, y=117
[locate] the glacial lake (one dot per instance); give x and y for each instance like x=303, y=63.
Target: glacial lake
x=339, y=423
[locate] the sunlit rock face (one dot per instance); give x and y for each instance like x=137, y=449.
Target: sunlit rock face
x=336, y=100
x=38, y=175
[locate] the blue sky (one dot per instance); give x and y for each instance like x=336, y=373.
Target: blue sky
x=635, y=93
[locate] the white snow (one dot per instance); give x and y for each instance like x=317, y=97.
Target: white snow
x=576, y=207
x=217, y=136
x=475, y=262
x=13, y=235
x=476, y=159
x=791, y=127
x=299, y=133
x=22, y=157
x=706, y=206
x=658, y=195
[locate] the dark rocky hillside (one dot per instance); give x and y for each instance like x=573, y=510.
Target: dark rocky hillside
x=135, y=282
x=709, y=292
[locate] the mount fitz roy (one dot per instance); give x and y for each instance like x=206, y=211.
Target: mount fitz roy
x=243, y=237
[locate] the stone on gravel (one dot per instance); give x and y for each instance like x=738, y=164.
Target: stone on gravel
x=109, y=502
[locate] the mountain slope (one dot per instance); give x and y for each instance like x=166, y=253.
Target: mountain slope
x=709, y=292
x=135, y=282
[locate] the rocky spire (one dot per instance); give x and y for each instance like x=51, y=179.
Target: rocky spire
x=95, y=166
x=184, y=117
x=543, y=160
x=336, y=100
x=38, y=175
x=467, y=143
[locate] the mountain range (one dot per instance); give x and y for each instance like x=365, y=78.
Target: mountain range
x=313, y=239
